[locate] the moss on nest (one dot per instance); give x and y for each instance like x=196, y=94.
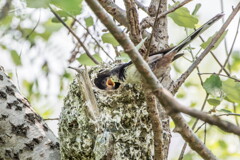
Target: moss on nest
x=123, y=130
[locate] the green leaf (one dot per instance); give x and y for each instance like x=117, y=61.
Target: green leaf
x=16, y=58
x=236, y=61
x=225, y=111
x=85, y=60
x=38, y=3
x=223, y=144
x=108, y=38
x=213, y=86
x=141, y=43
x=181, y=95
x=205, y=44
x=89, y=21
x=62, y=14
x=123, y=57
x=182, y=17
x=213, y=102
x=197, y=7
x=28, y=85
x=232, y=90
x=73, y=7
x=67, y=75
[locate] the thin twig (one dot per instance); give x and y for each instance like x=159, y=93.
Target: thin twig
x=152, y=19
x=197, y=120
x=77, y=38
x=174, y=8
x=225, y=41
x=216, y=59
x=205, y=133
x=51, y=119
x=193, y=127
x=153, y=31
x=221, y=75
x=230, y=52
x=213, y=120
x=229, y=114
x=235, y=110
x=200, y=127
x=95, y=40
x=184, y=76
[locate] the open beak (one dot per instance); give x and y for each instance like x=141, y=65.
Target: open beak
x=110, y=84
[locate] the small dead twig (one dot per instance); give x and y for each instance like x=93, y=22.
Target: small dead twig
x=215, y=58
x=77, y=38
x=51, y=119
x=95, y=40
x=86, y=88
x=229, y=114
x=230, y=52
x=153, y=31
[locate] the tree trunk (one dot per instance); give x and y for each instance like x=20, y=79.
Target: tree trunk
x=23, y=133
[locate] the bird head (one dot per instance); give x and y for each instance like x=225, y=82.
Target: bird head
x=107, y=81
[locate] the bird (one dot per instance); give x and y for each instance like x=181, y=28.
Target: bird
x=127, y=72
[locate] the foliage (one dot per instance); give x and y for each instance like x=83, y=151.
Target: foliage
x=108, y=38
x=85, y=60
x=228, y=89
x=205, y=44
x=30, y=37
x=182, y=17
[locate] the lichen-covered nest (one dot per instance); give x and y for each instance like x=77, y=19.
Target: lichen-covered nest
x=123, y=130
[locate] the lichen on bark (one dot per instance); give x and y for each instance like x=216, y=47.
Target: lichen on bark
x=122, y=131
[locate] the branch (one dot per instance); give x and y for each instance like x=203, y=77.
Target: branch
x=117, y=13
x=154, y=30
x=132, y=17
x=194, y=126
x=74, y=35
x=235, y=79
x=162, y=94
x=229, y=114
x=96, y=41
x=140, y=5
x=219, y=63
x=174, y=8
x=185, y=75
x=156, y=124
x=149, y=21
x=86, y=87
x=214, y=120
x=230, y=52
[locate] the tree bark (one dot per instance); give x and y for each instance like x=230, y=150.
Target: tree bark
x=23, y=133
